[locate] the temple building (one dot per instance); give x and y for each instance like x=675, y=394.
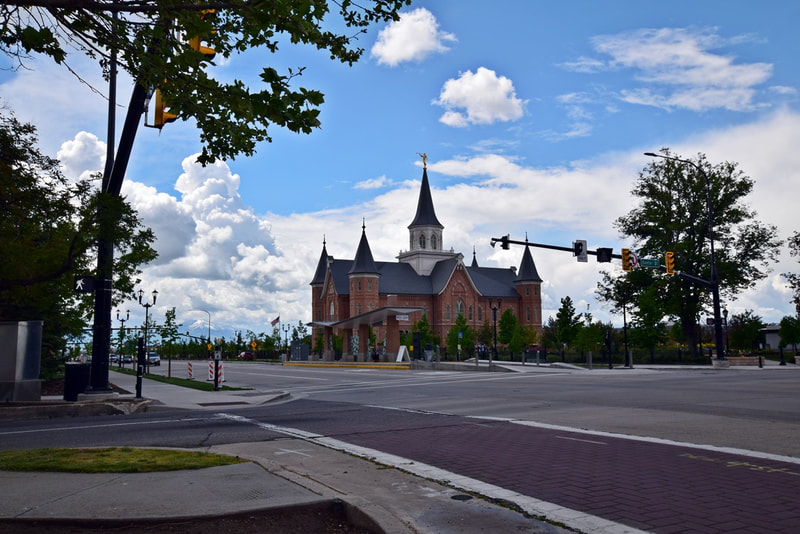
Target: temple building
x=351, y=295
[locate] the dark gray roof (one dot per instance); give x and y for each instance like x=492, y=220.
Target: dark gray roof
x=363, y=262
x=425, y=216
x=527, y=269
x=322, y=266
x=493, y=281
x=401, y=278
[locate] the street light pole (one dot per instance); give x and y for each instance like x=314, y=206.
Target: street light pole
x=714, y=276
x=494, y=319
x=121, y=337
x=147, y=306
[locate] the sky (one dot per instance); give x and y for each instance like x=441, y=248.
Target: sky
x=534, y=117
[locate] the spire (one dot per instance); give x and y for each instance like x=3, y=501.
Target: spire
x=474, y=259
x=527, y=269
x=363, y=262
x=322, y=266
x=426, y=216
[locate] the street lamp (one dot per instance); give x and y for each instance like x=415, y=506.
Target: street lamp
x=285, y=328
x=209, y=324
x=714, y=276
x=147, y=306
x=494, y=320
x=727, y=343
x=122, y=336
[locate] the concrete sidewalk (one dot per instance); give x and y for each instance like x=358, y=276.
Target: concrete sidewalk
x=290, y=477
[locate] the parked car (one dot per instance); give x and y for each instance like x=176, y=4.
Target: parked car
x=153, y=359
x=127, y=358
x=113, y=358
x=246, y=356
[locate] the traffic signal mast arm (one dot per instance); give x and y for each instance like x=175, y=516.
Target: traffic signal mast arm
x=505, y=241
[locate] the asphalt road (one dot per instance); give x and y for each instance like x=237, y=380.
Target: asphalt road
x=754, y=409
x=542, y=433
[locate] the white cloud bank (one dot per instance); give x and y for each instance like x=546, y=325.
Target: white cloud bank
x=217, y=255
x=680, y=69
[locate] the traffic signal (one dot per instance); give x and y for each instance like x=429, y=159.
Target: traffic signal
x=626, y=259
x=604, y=254
x=504, y=242
x=579, y=250
x=194, y=42
x=669, y=260
x=161, y=115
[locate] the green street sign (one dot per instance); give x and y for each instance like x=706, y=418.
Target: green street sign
x=650, y=262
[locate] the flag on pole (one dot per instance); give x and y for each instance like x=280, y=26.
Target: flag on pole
x=275, y=321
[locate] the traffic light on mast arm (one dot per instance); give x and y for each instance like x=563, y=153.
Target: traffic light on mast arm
x=626, y=259
x=161, y=116
x=195, y=41
x=669, y=260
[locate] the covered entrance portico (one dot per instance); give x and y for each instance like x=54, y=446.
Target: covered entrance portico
x=356, y=329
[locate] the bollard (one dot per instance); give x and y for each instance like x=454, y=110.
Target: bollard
x=189, y=370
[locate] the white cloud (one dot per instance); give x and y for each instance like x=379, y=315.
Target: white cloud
x=679, y=69
x=484, y=96
x=412, y=38
x=82, y=156
x=373, y=183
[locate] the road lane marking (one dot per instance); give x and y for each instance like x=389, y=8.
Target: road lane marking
x=583, y=440
x=81, y=427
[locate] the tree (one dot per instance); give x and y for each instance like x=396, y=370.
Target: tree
x=672, y=215
x=523, y=337
x=426, y=333
x=648, y=330
x=792, y=278
x=789, y=332
x=153, y=44
x=170, y=334
x=47, y=227
x=745, y=330
x=485, y=334
x=506, y=326
x=568, y=323
x=466, y=340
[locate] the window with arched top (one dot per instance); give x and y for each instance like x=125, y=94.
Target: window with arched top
x=330, y=311
x=421, y=240
x=447, y=313
x=433, y=243
x=480, y=313
x=459, y=308
x=469, y=311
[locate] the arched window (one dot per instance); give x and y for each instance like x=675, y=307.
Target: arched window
x=480, y=314
x=459, y=308
x=433, y=242
x=422, y=241
x=447, y=313
x=358, y=309
x=528, y=314
x=330, y=312
x=469, y=310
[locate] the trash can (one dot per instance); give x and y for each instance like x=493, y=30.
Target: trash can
x=76, y=380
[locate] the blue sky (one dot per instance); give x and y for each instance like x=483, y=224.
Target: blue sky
x=534, y=116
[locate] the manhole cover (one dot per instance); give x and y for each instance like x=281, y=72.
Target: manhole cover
x=461, y=497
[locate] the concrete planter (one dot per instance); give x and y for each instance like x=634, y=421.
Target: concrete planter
x=20, y=356
x=743, y=360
